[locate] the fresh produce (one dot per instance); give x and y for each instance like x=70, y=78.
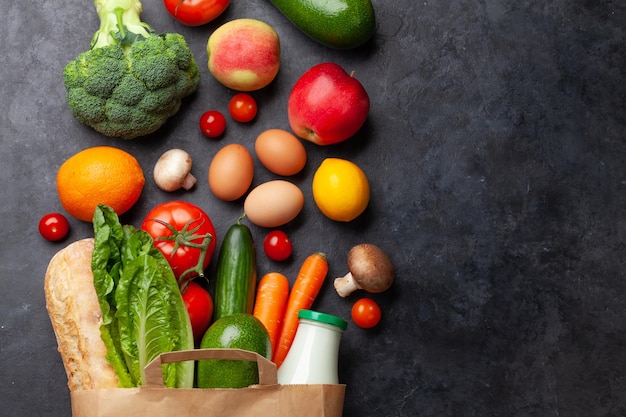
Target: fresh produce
x=273, y=203
x=235, y=282
x=101, y=174
x=212, y=124
x=195, y=12
x=172, y=171
x=242, y=107
x=280, y=152
x=54, y=226
x=185, y=235
x=76, y=318
x=341, y=189
x=340, y=24
x=277, y=245
x=244, y=54
x=270, y=303
x=327, y=105
x=199, y=307
x=370, y=269
x=231, y=172
x=143, y=313
x=131, y=80
x=366, y=313
x=304, y=291
x=237, y=331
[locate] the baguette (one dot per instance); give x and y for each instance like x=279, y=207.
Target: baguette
x=76, y=317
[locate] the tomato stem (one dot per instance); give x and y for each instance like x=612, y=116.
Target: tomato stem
x=186, y=237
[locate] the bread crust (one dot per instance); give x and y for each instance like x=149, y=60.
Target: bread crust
x=76, y=317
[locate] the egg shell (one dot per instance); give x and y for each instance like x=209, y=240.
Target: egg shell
x=280, y=152
x=231, y=172
x=273, y=203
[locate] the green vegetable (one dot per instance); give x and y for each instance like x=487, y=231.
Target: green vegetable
x=131, y=80
x=340, y=24
x=235, y=282
x=237, y=331
x=142, y=309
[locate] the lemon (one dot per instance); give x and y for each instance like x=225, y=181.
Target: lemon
x=340, y=189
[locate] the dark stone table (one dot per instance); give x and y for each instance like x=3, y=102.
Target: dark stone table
x=496, y=153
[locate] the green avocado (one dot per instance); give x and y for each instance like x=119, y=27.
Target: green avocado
x=340, y=24
x=235, y=331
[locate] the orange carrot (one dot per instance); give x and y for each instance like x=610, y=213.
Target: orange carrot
x=306, y=287
x=269, y=306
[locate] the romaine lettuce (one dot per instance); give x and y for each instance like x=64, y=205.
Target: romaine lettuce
x=143, y=311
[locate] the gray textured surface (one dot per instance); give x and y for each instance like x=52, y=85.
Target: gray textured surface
x=495, y=149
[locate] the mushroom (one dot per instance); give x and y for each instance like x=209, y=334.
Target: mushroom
x=173, y=171
x=370, y=269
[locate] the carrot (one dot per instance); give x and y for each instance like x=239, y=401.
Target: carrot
x=269, y=306
x=306, y=287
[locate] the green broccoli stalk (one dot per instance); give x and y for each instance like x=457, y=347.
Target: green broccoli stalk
x=131, y=80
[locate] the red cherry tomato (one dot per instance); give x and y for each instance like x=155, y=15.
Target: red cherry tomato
x=242, y=107
x=366, y=313
x=277, y=245
x=200, y=308
x=195, y=12
x=54, y=226
x=212, y=123
x=184, y=234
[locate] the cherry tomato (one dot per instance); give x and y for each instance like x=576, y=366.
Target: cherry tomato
x=195, y=12
x=242, y=107
x=185, y=235
x=54, y=226
x=199, y=306
x=366, y=313
x=277, y=245
x=212, y=123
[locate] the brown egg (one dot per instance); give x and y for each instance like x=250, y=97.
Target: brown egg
x=231, y=172
x=273, y=203
x=280, y=152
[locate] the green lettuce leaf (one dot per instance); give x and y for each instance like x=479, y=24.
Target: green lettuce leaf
x=139, y=295
x=106, y=260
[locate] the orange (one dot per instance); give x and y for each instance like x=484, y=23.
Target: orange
x=99, y=175
x=340, y=189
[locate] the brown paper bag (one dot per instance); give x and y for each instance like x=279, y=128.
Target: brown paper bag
x=267, y=399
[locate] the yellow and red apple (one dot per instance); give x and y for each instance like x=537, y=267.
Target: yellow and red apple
x=244, y=54
x=327, y=105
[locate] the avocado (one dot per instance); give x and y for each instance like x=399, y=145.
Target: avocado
x=339, y=24
x=235, y=331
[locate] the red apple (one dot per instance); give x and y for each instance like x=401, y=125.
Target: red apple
x=327, y=105
x=244, y=54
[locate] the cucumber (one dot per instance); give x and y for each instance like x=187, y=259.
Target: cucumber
x=340, y=24
x=235, y=282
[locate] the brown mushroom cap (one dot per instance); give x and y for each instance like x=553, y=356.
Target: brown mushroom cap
x=370, y=267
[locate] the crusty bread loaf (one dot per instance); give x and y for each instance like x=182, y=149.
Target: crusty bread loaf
x=76, y=317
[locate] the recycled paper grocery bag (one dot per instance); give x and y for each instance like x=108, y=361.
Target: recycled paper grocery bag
x=267, y=399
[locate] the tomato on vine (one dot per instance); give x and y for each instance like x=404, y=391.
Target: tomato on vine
x=195, y=12
x=366, y=313
x=54, y=226
x=242, y=107
x=185, y=235
x=277, y=245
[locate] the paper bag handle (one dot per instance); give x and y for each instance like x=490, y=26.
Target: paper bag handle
x=154, y=371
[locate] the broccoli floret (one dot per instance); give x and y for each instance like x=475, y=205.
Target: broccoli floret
x=131, y=80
